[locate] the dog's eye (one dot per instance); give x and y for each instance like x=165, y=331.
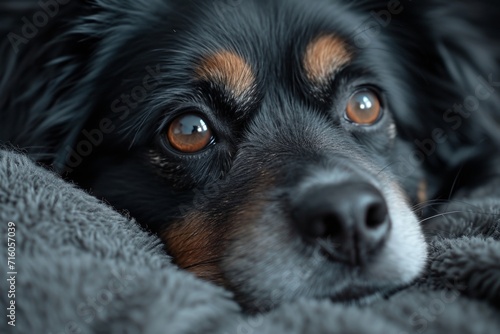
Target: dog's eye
x=189, y=133
x=364, y=107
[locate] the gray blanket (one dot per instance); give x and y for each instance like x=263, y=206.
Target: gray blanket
x=82, y=267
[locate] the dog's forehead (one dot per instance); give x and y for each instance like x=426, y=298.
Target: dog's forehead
x=322, y=56
x=252, y=41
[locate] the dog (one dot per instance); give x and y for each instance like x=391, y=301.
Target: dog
x=280, y=149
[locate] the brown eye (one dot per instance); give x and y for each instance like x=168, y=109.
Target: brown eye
x=364, y=108
x=189, y=133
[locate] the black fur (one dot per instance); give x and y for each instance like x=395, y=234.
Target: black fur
x=429, y=57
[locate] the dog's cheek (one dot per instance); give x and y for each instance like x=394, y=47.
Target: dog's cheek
x=252, y=262
x=200, y=241
x=197, y=244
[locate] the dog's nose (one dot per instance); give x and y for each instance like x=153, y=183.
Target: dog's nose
x=349, y=221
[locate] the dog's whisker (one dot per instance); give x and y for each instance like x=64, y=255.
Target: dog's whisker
x=434, y=202
x=462, y=211
x=443, y=214
x=452, y=189
x=428, y=203
x=386, y=166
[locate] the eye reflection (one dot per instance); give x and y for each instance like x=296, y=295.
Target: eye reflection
x=189, y=133
x=364, y=108
x=366, y=104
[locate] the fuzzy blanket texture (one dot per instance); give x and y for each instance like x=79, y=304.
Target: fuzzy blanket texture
x=84, y=268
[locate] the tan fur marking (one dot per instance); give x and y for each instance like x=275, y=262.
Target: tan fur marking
x=422, y=191
x=193, y=243
x=227, y=69
x=324, y=56
x=197, y=243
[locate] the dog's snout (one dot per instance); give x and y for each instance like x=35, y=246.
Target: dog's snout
x=349, y=221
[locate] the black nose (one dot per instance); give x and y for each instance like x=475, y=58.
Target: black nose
x=349, y=221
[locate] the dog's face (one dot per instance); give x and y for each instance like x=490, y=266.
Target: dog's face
x=262, y=144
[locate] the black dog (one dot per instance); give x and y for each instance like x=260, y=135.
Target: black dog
x=279, y=148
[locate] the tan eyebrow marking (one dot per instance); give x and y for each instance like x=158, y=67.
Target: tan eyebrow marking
x=324, y=55
x=229, y=70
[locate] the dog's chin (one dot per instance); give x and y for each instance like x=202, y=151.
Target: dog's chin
x=353, y=294
x=267, y=284
x=362, y=295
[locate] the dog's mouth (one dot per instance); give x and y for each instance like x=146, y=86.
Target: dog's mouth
x=361, y=294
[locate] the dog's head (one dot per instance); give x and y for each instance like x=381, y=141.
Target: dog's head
x=277, y=147
x=271, y=139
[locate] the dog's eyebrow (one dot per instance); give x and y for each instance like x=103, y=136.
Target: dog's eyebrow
x=324, y=56
x=229, y=71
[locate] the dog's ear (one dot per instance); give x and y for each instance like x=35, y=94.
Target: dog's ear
x=464, y=75
x=466, y=36
x=448, y=58
x=43, y=59
x=52, y=57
